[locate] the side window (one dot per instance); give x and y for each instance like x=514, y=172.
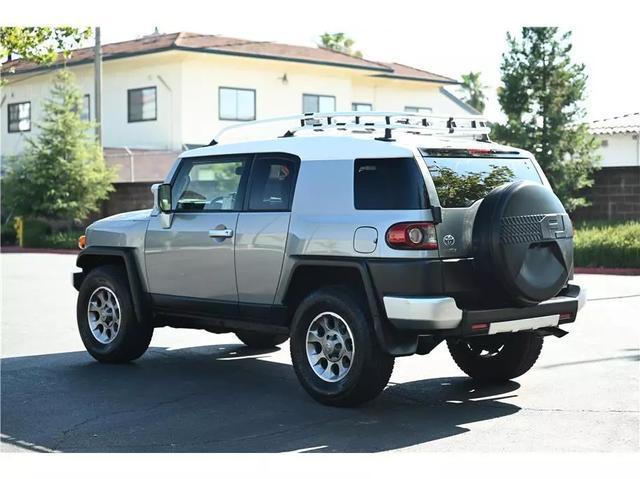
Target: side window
x=272, y=183
x=389, y=184
x=210, y=185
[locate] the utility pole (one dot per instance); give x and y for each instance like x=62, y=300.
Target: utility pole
x=97, y=57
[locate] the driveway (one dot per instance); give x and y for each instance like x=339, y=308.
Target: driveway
x=195, y=391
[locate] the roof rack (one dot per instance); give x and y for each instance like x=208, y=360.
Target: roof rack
x=370, y=122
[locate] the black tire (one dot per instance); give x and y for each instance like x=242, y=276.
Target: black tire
x=133, y=336
x=370, y=368
x=261, y=340
x=508, y=355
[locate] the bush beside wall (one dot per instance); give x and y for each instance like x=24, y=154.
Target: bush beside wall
x=607, y=245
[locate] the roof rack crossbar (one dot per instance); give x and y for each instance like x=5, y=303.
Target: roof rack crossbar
x=359, y=122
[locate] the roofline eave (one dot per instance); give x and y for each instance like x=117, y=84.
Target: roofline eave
x=118, y=56
x=426, y=80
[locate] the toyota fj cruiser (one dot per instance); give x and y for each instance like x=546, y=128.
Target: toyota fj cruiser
x=361, y=237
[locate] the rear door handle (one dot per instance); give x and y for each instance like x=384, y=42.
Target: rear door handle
x=223, y=233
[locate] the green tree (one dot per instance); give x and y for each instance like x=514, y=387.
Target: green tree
x=339, y=42
x=61, y=174
x=473, y=89
x=542, y=98
x=40, y=44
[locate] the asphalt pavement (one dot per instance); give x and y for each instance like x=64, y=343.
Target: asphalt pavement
x=195, y=391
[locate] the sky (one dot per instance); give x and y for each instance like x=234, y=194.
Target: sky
x=449, y=38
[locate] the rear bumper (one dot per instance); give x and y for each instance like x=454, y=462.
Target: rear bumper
x=441, y=315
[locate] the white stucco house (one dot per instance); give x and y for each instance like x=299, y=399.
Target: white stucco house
x=164, y=93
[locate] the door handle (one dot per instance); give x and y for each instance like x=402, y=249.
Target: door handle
x=223, y=233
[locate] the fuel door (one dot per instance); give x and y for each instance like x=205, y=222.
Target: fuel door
x=365, y=239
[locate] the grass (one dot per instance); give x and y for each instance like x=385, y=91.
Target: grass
x=609, y=245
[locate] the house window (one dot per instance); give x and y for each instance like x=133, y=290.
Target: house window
x=420, y=110
x=19, y=117
x=142, y=104
x=361, y=107
x=85, y=113
x=604, y=143
x=237, y=104
x=318, y=103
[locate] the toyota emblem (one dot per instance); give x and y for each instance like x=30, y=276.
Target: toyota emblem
x=449, y=240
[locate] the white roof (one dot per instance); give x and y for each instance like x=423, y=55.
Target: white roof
x=629, y=123
x=347, y=145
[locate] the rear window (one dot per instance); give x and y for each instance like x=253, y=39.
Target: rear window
x=389, y=184
x=460, y=182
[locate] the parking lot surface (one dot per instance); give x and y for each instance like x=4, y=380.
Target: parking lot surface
x=199, y=392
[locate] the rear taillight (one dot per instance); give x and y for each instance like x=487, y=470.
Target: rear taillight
x=412, y=236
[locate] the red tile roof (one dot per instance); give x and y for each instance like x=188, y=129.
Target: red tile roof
x=234, y=46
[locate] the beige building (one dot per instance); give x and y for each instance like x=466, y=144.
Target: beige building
x=165, y=93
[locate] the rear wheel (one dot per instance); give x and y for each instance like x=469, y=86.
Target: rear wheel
x=261, y=340
x=334, y=351
x=107, y=322
x=498, y=357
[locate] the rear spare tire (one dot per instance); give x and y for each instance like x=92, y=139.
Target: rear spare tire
x=523, y=242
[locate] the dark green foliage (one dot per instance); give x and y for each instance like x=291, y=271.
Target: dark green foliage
x=542, y=98
x=34, y=233
x=8, y=235
x=62, y=174
x=607, y=245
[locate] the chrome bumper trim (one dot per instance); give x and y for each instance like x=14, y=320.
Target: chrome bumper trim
x=525, y=324
x=437, y=312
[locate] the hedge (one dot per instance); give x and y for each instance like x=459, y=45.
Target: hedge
x=607, y=245
x=38, y=234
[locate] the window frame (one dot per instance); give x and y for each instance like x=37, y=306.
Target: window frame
x=9, y=105
x=417, y=108
x=359, y=103
x=255, y=107
x=318, y=96
x=155, y=104
x=294, y=179
x=242, y=186
x=88, y=96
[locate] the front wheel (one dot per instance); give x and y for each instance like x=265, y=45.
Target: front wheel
x=107, y=322
x=334, y=351
x=498, y=357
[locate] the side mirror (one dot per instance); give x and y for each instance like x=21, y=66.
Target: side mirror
x=164, y=197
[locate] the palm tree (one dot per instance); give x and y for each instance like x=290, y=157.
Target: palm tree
x=474, y=90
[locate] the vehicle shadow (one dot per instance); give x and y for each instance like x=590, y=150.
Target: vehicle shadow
x=194, y=400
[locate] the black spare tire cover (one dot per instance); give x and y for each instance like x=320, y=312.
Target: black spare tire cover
x=522, y=241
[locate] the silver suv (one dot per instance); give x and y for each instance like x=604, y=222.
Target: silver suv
x=360, y=237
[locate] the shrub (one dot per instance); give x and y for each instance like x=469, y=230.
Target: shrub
x=62, y=240
x=607, y=245
x=8, y=234
x=34, y=233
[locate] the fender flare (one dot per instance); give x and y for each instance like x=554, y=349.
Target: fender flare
x=392, y=341
x=90, y=257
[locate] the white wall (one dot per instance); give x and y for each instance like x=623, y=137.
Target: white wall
x=621, y=150
x=118, y=76
x=189, y=112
